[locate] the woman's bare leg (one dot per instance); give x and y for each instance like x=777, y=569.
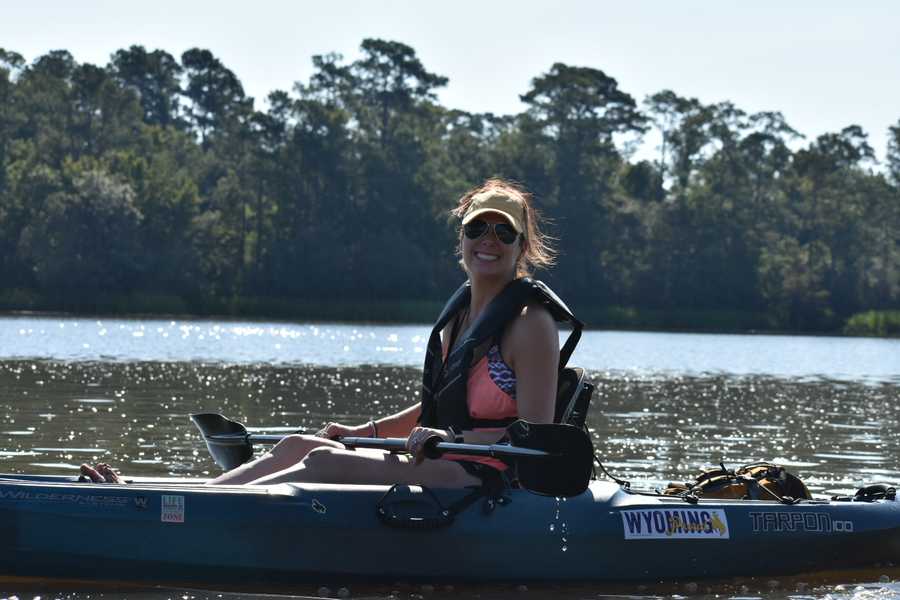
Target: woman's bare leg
x=339, y=465
x=287, y=453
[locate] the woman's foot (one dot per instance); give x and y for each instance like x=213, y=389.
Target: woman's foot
x=109, y=474
x=103, y=473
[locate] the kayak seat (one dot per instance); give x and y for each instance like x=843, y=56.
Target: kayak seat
x=573, y=397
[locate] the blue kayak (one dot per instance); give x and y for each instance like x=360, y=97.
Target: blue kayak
x=180, y=530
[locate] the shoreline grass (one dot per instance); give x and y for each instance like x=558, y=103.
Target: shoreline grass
x=17, y=301
x=877, y=323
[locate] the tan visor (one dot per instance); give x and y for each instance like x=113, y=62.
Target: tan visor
x=492, y=201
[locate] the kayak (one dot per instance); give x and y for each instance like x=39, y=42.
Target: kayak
x=179, y=530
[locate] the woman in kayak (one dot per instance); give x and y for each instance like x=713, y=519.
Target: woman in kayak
x=514, y=375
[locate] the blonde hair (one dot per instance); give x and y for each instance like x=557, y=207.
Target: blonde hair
x=537, y=252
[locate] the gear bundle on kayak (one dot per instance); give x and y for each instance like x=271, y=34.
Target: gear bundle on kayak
x=756, y=481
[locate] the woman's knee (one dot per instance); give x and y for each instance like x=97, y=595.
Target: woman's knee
x=293, y=445
x=320, y=457
x=325, y=464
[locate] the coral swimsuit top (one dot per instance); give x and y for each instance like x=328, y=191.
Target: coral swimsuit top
x=490, y=394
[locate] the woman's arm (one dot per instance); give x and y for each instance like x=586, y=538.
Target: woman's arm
x=533, y=346
x=398, y=424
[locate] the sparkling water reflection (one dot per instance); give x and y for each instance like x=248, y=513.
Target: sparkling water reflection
x=835, y=423
x=650, y=429
x=337, y=344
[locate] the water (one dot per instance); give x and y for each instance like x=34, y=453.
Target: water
x=335, y=344
x=75, y=390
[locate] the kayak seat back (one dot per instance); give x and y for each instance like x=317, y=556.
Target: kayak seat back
x=573, y=397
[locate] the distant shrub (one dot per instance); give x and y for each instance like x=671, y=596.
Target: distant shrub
x=874, y=322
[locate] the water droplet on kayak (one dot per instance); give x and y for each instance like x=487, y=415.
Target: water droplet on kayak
x=552, y=527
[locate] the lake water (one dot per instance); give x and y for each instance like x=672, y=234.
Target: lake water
x=75, y=390
x=341, y=345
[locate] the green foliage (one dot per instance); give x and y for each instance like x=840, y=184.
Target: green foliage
x=874, y=322
x=893, y=152
x=83, y=238
x=154, y=77
x=154, y=184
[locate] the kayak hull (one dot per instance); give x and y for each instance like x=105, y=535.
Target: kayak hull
x=183, y=531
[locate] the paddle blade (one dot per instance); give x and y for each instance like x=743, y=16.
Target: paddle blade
x=229, y=451
x=567, y=472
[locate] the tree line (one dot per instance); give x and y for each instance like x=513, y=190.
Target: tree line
x=156, y=183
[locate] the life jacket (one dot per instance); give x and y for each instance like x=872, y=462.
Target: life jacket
x=444, y=383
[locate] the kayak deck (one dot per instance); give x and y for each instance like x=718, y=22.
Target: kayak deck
x=182, y=530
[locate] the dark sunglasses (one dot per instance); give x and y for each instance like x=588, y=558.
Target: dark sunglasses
x=505, y=232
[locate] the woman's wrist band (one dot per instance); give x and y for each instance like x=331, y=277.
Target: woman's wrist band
x=456, y=438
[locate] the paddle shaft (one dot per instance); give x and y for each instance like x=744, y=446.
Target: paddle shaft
x=392, y=445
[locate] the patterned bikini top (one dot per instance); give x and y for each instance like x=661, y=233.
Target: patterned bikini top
x=501, y=373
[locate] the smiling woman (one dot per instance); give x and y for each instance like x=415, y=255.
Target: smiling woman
x=493, y=358
x=504, y=207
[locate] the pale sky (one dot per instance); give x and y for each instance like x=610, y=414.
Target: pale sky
x=824, y=64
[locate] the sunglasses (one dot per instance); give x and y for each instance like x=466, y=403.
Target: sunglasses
x=505, y=232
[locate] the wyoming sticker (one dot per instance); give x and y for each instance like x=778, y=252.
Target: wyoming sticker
x=172, y=509
x=670, y=524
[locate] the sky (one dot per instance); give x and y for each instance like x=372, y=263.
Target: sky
x=823, y=64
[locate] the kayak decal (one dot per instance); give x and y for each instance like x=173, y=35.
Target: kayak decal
x=319, y=507
x=80, y=499
x=790, y=521
x=684, y=524
x=141, y=502
x=172, y=509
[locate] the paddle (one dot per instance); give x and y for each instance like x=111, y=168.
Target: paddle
x=549, y=459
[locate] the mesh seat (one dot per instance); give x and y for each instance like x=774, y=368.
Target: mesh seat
x=573, y=397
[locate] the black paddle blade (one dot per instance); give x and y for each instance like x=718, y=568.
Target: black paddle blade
x=232, y=448
x=567, y=472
